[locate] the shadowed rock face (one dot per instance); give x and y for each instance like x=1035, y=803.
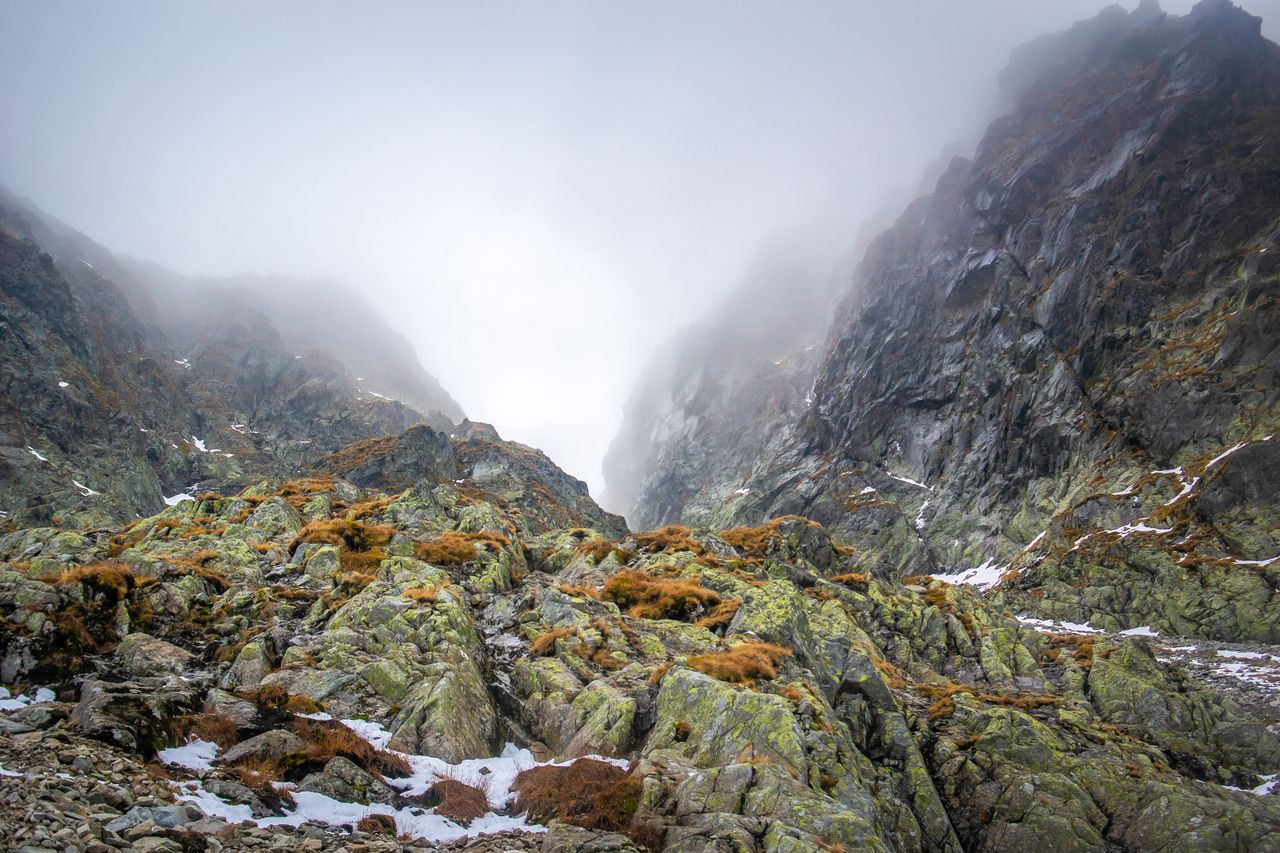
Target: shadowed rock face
x=136, y=384
x=1090, y=299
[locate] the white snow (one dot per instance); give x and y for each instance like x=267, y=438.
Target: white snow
x=920, y=520
x=184, y=362
x=36, y=453
x=1215, y=460
x=909, y=480
x=62, y=384
x=1257, y=562
x=4, y=772
x=1140, y=631
x=379, y=396
x=196, y=755
x=1034, y=542
x=743, y=492
x=84, y=490
x=240, y=428
x=1232, y=653
x=1055, y=627
x=199, y=443
x=8, y=702
x=494, y=775
x=984, y=577
x=174, y=500
x=1187, y=487
x=1128, y=490
x=869, y=490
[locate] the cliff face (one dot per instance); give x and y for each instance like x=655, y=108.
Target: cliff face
x=125, y=383
x=1090, y=300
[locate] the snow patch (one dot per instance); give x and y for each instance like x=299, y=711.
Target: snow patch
x=1140, y=631
x=174, y=500
x=63, y=384
x=984, y=577
x=36, y=453
x=495, y=775
x=743, y=491
x=1050, y=626
x=8, y=702
x=1232, y=653
x=910, y=481
x=1215, y=460
x=196, y=755
x=85, y=491
x=4, y=772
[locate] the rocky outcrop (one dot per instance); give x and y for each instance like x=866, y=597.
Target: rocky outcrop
x=1076, y=324
x=126, y=384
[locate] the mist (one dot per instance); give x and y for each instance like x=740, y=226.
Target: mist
x=538, y=196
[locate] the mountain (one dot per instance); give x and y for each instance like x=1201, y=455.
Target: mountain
x=127, y=383
x=1060, y=366
x=372, y=629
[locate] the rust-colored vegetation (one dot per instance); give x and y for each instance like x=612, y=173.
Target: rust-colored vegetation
x=742, y=664
x=644, y=596
x=456, y=547
x=668, y=540
x=587, y=793
x=545, y=643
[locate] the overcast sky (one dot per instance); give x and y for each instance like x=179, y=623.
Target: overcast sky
x=538, y=194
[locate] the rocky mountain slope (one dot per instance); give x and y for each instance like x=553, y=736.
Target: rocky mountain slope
x=125, y=384
x=370, y=629
x=328, y=664
x=1060, y=366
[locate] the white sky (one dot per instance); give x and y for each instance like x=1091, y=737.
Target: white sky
x=538, y=194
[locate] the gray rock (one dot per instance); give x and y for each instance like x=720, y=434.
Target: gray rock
x=343, y=780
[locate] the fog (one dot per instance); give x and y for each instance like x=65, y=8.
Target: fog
x=539, y=195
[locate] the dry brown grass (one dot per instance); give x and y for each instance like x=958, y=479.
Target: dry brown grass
x=328, y=738
x=545, y=643
x=215, y=728
x=742, y=664
x=375, y=506
x=459, y=801
x=1081, y=648
x=113, y=580
x=214, y=577
x=646, y=597
x=456, y=548
x=600, y=549
x=578, y=591
x=423, y=595
x=944, y=704
x=721, y=615
x=668, y=540
x=355, y=580
x=656, y=674
x=853, y=579
x=587, y=793
x=347, y=534
x=754, y=542
x=377, y=824
x=258, y=775
x=299, y=704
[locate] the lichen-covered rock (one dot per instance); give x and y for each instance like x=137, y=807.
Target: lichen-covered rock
x=343, y=780
x=143, y=655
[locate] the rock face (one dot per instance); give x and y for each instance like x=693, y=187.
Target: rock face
x=1040, y=366
x=363, y=603
x=764, y=693
x=126, y=383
